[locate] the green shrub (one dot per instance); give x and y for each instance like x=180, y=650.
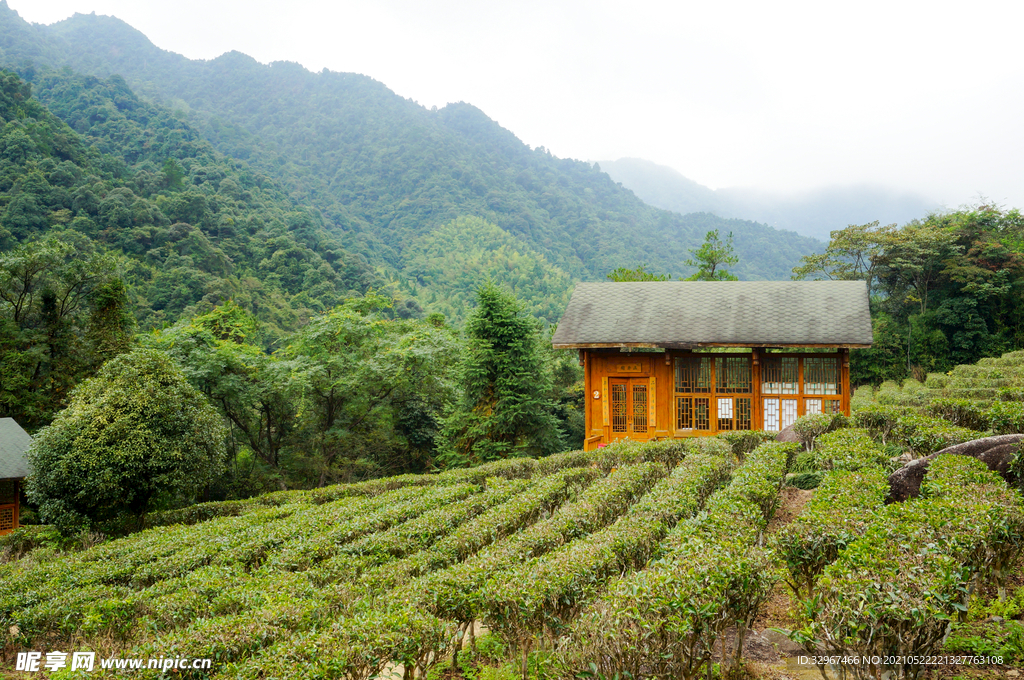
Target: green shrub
x=1010, y=394
x=849, y=449
x=629, y=451
x=804, y=480
x=893, y=592
x=451, y=593
x=881, y=420
x=1003, y=639
x=745, y=441
x=840, y=511
x=546, y=591
x=663, y=621
x=1007, y=417
x=947, y=474
x=565, y=459
x=960, y=412
x=808, y=428
x=926, y=437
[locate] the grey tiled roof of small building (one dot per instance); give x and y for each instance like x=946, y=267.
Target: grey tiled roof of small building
x=696, y=313
x=14, y=442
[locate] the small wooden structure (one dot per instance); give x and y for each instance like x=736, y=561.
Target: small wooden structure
x=694, y=358
x=14, y=467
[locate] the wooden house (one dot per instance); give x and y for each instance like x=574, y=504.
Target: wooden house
x=694, y=358
x=14, y=467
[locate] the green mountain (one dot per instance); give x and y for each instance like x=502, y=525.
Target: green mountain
x=384, y=172
x=197, y=226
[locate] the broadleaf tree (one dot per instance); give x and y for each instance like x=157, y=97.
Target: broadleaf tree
x=134, y=435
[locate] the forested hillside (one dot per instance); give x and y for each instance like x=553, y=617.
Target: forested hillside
x=97, y=244
x=387, y=173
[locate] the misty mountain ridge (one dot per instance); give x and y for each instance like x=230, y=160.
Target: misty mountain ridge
x=813, y=213
x=391, y=180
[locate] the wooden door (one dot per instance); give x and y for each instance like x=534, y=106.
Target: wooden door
x=630, y=400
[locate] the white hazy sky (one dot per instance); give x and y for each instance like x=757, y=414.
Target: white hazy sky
x=918, y=96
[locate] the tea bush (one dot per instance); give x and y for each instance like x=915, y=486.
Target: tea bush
x=664, y=620
x=892, y=592
x=840, y=511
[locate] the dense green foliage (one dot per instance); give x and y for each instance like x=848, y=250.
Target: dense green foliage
x=353, y=393
x=197, y=228
x=134, y=434
x=164, y=227
x=891, y=594
x=944, y=290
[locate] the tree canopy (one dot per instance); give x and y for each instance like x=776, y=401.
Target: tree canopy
x=506, y=408
x=944, y=289
x=134, y=435
x=712, y=258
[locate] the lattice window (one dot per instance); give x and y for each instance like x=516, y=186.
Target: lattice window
x=788, y=412
x=744, y=409
x=734, y=413
x=770, y=408
x=693, y=375
x=8, y=491
x=725, y=413
x=780, y=375
x=702, y=413
x=619, y=413
x=6, y=518
x=821, y=375
x=822, y=406
x=684, y=413
x=732, y=374
x=639, y=408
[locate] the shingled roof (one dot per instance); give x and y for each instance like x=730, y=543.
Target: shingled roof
x=689, y=314
x=14, y=442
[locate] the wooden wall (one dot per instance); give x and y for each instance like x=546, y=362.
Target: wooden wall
x=606, y=370
x=9, y=505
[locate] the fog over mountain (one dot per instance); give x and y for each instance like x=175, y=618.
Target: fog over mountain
x=812, y=213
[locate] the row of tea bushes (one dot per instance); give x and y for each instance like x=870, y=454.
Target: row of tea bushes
x=56, y=597
x=843, y=506
x=546, y=591
x=313, y=599
x=663, y=621
x=907, y=428
x=849, y=449
x=523, y=510
x=233, y=637
x=512, y=468
x=1001, y=417
x=452, y=593
x=620, y=453
x=442, y=600
x=891, y=593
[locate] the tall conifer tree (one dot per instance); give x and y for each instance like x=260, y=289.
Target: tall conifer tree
x=506, y=409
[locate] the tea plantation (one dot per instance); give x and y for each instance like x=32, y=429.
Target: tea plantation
x=630, y=561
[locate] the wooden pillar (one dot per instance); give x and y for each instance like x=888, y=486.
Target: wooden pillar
x=588, y=407
x=756, y=421
x=844, y=377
